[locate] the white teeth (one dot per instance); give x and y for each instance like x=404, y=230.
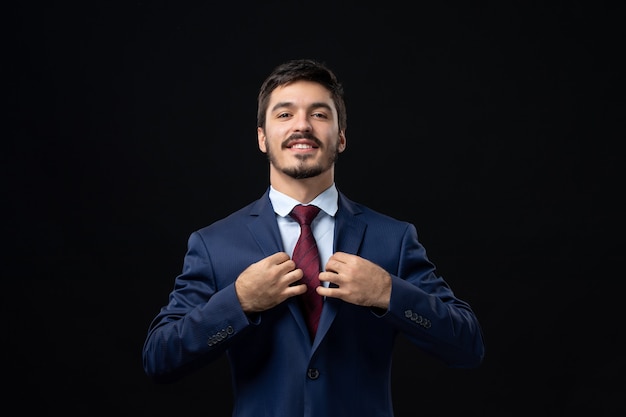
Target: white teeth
x=301, y=146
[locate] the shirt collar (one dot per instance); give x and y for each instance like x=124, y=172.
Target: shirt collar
x=283, y=204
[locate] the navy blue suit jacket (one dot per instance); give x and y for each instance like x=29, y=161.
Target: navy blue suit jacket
x=276, y=369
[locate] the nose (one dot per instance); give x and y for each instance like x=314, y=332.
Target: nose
x=301, y=122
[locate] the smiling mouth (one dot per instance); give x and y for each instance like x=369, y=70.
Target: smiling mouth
x=301, y=146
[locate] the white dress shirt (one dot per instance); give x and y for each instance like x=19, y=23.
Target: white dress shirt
x=323, y=226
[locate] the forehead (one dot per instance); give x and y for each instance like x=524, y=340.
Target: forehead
x=301, y=93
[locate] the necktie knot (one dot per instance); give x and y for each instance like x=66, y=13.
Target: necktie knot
x=304, y=214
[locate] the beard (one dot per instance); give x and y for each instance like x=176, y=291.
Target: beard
x=303, y=170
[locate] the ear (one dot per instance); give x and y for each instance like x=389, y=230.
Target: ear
x=261, y=139
x=341, y=146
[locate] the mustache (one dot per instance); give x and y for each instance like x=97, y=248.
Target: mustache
x=301, y=135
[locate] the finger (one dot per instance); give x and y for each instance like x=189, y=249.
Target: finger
x=278, y=258
x=341, y=257
x=334, y=265
x=294, y=290
x=292, y=277
x=287, y=266
x=333, y=291
x=329, y=277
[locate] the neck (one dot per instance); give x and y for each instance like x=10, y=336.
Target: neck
x=304, y=190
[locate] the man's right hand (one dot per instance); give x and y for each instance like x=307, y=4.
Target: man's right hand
x=268, y=282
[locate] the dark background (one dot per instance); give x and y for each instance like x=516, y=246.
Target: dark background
x=495, y=127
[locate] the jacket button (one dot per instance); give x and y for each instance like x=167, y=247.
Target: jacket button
x=313, y=373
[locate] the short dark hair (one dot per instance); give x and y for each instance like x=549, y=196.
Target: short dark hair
x=302, y=69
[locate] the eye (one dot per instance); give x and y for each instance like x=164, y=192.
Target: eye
x=283, y=115
x=319, y=115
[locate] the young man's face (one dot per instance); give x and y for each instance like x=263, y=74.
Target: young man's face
x=301, y=136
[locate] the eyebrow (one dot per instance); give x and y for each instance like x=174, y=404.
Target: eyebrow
x=288, y=104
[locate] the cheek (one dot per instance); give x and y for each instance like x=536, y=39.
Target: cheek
x=275, y=136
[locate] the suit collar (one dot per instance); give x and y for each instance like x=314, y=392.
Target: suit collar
x=283, y=204
x=349, y=228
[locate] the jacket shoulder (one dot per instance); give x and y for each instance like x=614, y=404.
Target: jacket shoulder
x=240, y=217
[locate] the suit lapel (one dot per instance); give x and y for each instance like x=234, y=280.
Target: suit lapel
x=349, y=229
x=349, y=232
x=264, y=230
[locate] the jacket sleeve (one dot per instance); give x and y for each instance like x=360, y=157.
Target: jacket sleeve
x=424, y=308
x=198, y=323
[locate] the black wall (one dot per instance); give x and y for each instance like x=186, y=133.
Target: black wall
x=133, y=124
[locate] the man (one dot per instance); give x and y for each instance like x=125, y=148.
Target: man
x=240, y=293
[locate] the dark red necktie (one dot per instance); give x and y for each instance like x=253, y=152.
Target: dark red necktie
x=307, y=258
